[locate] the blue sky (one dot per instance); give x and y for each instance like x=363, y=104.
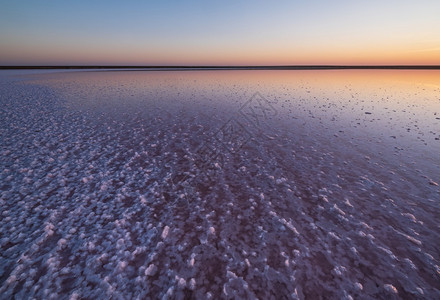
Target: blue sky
x=219, y=32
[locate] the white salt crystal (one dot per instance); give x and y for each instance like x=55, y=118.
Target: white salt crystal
x=390, y=288
x=211, y=230
x=165, y=232
x=151, y=270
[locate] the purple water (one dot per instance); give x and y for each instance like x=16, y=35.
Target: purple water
x=220, y=184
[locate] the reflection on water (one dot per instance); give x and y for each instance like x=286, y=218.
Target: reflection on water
x=398, y=109
x=220, y=183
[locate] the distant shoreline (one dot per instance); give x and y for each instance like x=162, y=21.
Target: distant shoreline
x=177, y=68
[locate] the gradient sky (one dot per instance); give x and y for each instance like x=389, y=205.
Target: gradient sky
x=38, y=32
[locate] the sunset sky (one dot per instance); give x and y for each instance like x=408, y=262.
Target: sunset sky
x=219, y=32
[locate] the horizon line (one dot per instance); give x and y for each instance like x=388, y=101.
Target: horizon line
x=219, y=67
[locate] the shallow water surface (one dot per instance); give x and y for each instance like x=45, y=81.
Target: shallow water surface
x=220, y=184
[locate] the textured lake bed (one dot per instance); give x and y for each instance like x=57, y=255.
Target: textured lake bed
x=220, y=184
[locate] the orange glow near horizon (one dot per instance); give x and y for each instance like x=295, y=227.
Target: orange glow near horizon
x=285, y=56
x=113, y=55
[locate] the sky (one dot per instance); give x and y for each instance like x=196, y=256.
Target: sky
x=295, y=32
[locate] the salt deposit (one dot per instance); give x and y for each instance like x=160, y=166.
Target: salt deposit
x=164, y=185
